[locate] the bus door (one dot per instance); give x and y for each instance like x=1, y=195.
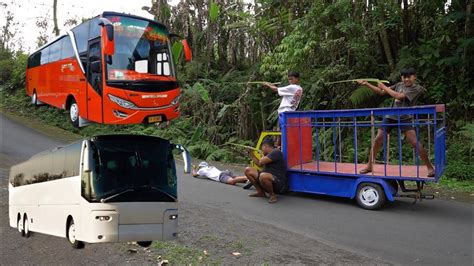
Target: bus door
x=94, y=81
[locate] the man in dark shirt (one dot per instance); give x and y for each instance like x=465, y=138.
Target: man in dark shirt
x=272, y=178
x=405, y=94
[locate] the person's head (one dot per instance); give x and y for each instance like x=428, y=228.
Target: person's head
x=203, y=164
x=408, y=76
x=293, y=77
x=267, y=145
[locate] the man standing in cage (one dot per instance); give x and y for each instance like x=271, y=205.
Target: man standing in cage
x=405, y=94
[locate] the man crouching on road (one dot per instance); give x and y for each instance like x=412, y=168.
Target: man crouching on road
x=272, y=179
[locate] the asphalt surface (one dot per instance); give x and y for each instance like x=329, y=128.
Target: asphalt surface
x=435, y=232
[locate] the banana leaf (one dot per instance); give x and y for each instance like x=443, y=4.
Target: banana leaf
x=355, y=80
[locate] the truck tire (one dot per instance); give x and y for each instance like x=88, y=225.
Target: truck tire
x=370, y=196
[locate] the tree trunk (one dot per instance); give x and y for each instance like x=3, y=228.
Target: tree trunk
x=467, y=28
x=55, y=18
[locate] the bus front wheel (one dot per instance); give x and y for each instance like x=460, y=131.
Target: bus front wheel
x=71, y=236
x=74, y=113
x=370, y=196
x=144, y=244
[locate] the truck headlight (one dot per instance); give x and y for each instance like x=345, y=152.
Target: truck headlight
x=123, y=103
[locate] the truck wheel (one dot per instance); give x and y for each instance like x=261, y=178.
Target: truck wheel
x=144, y=244
x=71, y=235
x=19, y=226
x=74, y=113
x=370, y=196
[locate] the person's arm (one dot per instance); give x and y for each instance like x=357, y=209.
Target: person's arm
x=271, y=86
x=375, y=89
x=263, y=161
x=397, y=95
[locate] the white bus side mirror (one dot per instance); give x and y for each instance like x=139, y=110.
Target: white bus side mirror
x=186, y=158
x=86, y=166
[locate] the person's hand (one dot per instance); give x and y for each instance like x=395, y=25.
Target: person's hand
x=362, y=82
x=381, y=86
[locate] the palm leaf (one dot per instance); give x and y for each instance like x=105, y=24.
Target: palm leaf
x=361, y=79
x=214, y=11
x=361, y=95
x=259, y=82
x=243, y=146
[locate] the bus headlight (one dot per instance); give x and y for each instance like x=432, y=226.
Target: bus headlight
x=173, y=217
x=175, y=100
x=102, y=218
x=123, y=103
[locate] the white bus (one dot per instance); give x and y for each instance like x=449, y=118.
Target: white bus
x=111, y=188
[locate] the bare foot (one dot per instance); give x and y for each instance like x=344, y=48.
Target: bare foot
x=258, y=195
x=365, y=171
x=273, y=199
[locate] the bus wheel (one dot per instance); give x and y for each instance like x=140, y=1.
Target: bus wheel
x=74, y=113
x=370, y=196
x=26, y=227
x=34, y=98
x=71, y=235
x=144, y=244
x=19, y=226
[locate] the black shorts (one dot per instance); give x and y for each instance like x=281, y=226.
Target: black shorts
x=389, y=124
x=279, y=185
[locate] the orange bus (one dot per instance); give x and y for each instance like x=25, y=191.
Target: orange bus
x=113, y=69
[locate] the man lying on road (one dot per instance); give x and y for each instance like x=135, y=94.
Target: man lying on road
x=226, y=176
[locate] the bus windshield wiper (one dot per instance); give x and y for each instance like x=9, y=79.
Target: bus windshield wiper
x=116, y=195
x=160, y=190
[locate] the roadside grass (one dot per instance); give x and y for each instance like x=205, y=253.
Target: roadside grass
x=454, y=185
x=178, y=254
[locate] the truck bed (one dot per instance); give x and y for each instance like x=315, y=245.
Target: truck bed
x=393, y=171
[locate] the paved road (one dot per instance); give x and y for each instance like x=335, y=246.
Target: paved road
x=436, y=232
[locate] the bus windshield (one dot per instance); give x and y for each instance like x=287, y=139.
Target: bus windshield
x=130, y=172
x=142, y=51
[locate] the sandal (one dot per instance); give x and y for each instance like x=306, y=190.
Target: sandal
x=257, y=195
x=273, y=199
x=365, y=171
x=432, y=173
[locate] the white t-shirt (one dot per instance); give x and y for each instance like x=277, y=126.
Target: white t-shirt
x=210, y=172
x=291, y=97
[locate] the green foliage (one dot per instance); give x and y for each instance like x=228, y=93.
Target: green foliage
x=213, y=11
x=177, y=50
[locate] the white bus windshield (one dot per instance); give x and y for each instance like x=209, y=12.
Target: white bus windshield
x=131, y=172
x=142, y=51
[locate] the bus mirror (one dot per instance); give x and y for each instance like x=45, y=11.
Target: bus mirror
x=188, y=56
x=186, y=158
x=87, y=158
x=107, y=33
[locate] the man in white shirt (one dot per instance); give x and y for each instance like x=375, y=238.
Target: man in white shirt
x=291, y=94
x=211, y=172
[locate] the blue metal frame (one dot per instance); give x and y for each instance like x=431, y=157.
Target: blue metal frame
x=343, y=184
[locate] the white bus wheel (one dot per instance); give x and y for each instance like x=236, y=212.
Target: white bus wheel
x=26, y=227
x=144, y=244
x=370, y=196
x=71, y=235
x=19, y=226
